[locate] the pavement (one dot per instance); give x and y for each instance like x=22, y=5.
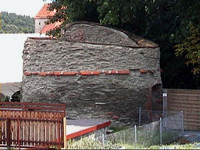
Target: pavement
x=190, y=137
x=76, y=128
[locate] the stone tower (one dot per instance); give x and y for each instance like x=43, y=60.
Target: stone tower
x=99, y=72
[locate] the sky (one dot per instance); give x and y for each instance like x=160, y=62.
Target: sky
x=22, y=7
x=11, y=45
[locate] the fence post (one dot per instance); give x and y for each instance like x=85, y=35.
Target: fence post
x=182, y=121
x=124, y=137
x=135, y=130
x=103, y=137
x=140, y=111
x=164, y=102
x=65, y=132
x=59, y=136
x=18, y=132
x=161, y=131
x=8, y=133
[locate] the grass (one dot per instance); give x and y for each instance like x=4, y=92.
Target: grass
x=171, y=146
x=90, y=143
x=148, y=140
x=117, y=129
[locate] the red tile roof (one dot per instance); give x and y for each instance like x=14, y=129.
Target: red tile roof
x=44, y=12
x=49, y=27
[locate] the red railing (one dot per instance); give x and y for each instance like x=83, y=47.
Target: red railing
x=23, y=106
x=31, y=125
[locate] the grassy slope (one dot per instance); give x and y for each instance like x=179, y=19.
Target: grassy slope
x=171, y=146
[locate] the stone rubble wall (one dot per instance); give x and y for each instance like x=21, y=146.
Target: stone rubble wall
x=52, y=55
x=103, y=94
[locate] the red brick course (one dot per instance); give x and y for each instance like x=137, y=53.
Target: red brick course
x=42, y=74
x=68, y=73
x=89, y=73
x=143, y=71
x=27, y=73
x=118, y=72
x=86, y=73
x=57, y=73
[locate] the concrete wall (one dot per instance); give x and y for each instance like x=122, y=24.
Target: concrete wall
x=95, y=80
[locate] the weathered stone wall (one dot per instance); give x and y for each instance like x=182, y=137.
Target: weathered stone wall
x=101, y=94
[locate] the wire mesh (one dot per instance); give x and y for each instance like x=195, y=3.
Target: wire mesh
x=172, y=126
x=160, y=128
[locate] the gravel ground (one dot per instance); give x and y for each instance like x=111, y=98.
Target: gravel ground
x=191, y=137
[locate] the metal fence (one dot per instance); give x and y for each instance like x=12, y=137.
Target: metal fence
x=165, y=129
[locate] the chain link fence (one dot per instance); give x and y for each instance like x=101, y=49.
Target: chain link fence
x=155, y=128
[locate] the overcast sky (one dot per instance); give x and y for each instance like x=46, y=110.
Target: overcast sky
x=22, y=7
x=12, y=44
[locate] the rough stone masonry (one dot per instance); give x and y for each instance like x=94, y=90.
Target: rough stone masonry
x=99, y=72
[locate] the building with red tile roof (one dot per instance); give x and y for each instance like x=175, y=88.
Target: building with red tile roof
x=49, y=27
x=40, y=19
x=44, y=12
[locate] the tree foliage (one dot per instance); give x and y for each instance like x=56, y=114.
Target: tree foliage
x=166, y=22
x=189, y=44
x=190, y=49
x=13, y=23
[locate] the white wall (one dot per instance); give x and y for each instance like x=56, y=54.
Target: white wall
x=11, y=62
x=39, y=24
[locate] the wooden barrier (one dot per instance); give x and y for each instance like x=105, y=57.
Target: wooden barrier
x=32, y=125
x=187, y=101
x=42, y=107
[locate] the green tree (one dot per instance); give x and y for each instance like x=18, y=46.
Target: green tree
x=69, y=11
x=190, y=49
x=165, y=22
x=12, y=23
x=188, y=45
x=125, y=14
